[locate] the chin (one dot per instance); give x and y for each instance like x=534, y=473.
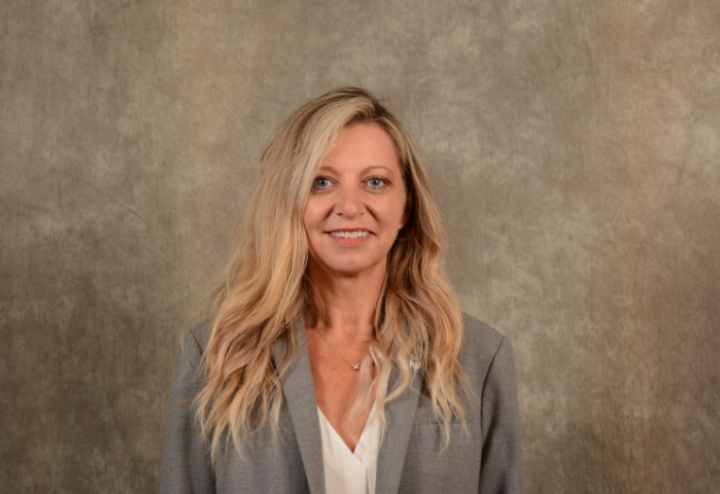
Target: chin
x=349, y=267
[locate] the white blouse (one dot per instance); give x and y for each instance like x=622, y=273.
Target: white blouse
x=350, y=472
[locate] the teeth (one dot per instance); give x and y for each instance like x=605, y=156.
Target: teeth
x=349, y=234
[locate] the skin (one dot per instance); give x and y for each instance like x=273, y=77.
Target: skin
x=358, y=187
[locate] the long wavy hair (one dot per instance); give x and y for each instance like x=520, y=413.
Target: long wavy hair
x=265, y=288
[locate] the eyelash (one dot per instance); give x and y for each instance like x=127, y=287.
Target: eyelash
x=383, y=182
x=315, y=182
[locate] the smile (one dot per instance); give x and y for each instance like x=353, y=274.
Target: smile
x=355, y=234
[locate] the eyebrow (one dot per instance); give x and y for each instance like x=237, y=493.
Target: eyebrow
x=363, y=171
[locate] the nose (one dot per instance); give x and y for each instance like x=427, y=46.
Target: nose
x=349, y=202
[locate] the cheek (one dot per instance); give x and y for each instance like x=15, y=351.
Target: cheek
x=396, y=210
x=313, y=221
x=309, y=228
x=307, y=219
x=310, y=215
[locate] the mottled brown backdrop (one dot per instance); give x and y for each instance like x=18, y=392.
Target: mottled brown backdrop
x=574, y=147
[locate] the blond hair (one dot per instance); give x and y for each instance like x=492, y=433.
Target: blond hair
x=265, y=289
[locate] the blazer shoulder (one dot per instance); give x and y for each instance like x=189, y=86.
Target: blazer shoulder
x=194, y=342
x=480, y=337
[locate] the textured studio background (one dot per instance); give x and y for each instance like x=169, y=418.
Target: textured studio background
x=574, y=147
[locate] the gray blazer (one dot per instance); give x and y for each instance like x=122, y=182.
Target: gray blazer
x=486, y=460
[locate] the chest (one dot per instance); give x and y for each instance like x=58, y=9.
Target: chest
x=337, y=386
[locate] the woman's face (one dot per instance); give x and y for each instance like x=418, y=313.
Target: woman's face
x=357, y=203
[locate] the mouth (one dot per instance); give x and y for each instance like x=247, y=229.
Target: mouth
x=351, y=237
x=349, y=233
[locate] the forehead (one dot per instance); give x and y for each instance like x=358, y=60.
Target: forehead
x=362, y=145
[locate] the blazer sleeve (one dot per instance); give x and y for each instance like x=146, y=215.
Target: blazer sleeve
x=186, y=465
x=501, y=470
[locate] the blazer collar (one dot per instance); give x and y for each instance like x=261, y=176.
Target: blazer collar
x=399, y=419
x=299, y=392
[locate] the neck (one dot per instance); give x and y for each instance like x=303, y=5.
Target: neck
x=346, y=303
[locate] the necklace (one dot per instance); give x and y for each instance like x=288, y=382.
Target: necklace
x=355, y=366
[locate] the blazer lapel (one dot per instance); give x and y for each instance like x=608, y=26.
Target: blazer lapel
x=399, y=415
x=299, y=392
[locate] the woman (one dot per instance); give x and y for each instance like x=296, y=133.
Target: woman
x=336, y=359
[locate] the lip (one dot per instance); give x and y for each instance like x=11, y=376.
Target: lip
x=349, y=242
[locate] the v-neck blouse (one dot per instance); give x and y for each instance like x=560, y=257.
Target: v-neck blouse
x=350, y=472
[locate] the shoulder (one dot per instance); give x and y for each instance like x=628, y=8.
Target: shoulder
x=482, y=348
x=480, y=338
x=195, y=340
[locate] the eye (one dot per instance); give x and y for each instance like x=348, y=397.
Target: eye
x=321, y=183
x=376, y=182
